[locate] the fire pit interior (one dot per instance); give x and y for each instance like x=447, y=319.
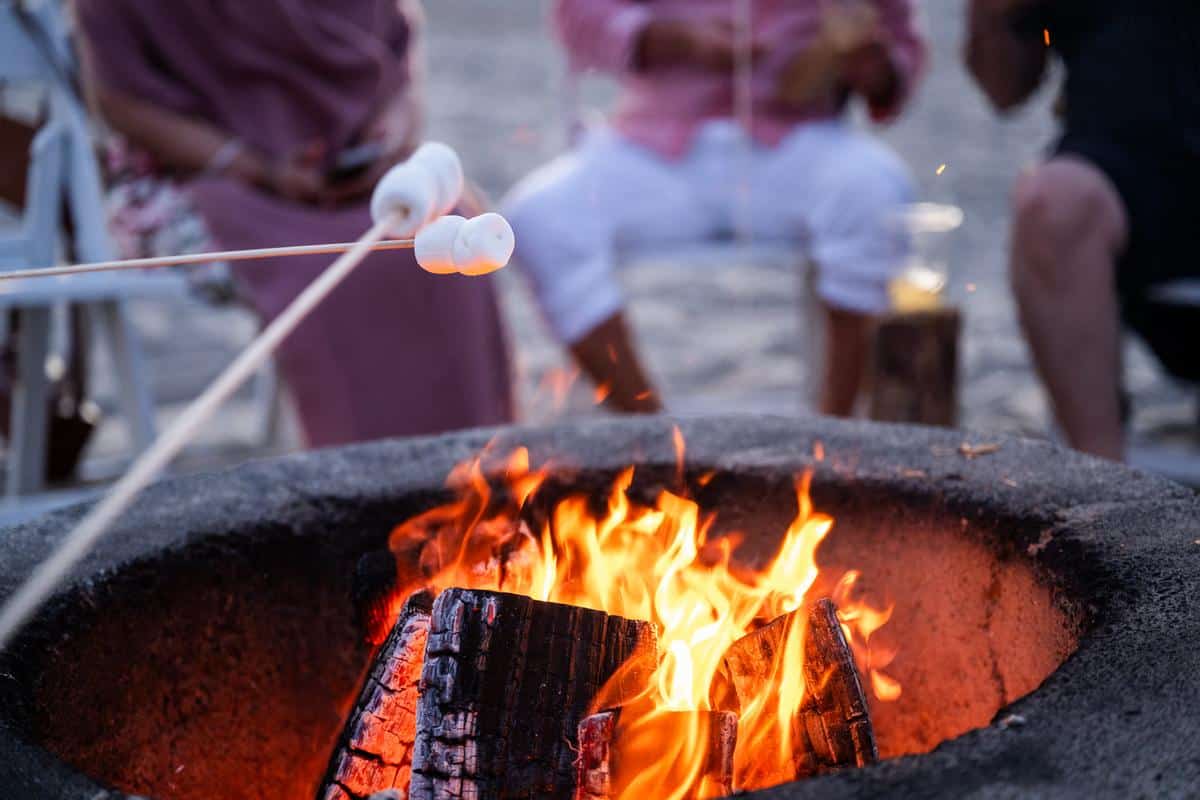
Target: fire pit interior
x=220, y=658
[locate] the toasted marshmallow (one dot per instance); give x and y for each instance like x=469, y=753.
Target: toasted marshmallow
x=434, y=246
x=484, y=244
x=443, y=162
x=410, y=192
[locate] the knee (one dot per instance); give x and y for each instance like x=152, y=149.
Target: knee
x=548, y=232
x=873, y=170
x=862, y=189
x=1065, y=214
x=530, y=207
x=564, y=252
x=891, y=177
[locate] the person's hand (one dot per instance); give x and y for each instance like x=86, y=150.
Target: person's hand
x=297, y=178
x=298, y=182
x=362, y=184
x=811, y=74
x=709, y=45
x=850, y=25
x=868, y=71
x=849, y=52
x=397, y=128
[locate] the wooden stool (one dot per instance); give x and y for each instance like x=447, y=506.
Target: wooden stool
x=913, y=373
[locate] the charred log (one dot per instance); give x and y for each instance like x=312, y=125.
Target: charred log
x=599, y=768
x=506, y=681
x=375, y=751
x=836, y=718
x=832, y=728
x=374, y=591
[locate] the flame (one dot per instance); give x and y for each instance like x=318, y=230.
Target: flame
x=656, y=562
x=859, y=621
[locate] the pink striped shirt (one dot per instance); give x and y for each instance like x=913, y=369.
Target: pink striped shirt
x=663, y=109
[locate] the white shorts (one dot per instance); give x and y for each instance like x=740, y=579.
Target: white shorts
x=834, y=188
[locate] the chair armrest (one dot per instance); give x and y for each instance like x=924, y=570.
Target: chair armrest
x=14, y=250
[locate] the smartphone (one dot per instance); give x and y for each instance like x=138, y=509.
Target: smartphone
x=353, y=162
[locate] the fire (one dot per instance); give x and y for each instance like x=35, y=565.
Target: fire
x=654, y=562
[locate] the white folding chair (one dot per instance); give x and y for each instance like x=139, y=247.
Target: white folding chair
x=63, y=174
x=35, y=50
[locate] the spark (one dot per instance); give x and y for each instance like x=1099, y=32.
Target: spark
x=1046, y=36
x=941, y=169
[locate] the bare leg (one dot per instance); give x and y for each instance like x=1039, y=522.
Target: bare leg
x=847, y=336
x=606, y=353
x=1070, y=228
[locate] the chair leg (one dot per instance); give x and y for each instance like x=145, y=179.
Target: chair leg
x=27, y=457
x=136, y=401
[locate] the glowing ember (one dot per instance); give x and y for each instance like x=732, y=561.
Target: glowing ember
x=658, y=563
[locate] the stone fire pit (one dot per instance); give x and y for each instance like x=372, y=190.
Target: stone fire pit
x=1047, y=609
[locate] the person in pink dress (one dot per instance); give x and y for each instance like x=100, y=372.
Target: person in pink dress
x=678, y=159
x=248, y=107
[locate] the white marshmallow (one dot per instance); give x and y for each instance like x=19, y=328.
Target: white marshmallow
x=443, y=162
x=412, y=191
x=434, y=247
x=484, y=244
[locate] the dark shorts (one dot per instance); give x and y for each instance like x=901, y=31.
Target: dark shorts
x=1160, y=188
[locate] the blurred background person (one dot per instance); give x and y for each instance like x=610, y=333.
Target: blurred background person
x=1111, y=214
x=276, y=118
x=671, y=166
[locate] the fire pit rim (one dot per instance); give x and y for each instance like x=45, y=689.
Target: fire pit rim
x=1127, y=536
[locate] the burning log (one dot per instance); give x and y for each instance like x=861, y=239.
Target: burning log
x=599, y=775
x=833, y=726
x=375, y=752
x=505, y=683
x=914, y=374
x=836, y=717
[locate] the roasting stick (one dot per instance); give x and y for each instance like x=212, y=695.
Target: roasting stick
x=201, y=258
x=151, y=463
x=413, y=199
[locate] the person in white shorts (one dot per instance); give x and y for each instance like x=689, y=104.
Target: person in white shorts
x=676, y=165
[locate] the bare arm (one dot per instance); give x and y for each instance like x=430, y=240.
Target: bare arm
x=873, y=49
x=179, y=142
x=188, y=145
x=184, y=144
x=1007, y=65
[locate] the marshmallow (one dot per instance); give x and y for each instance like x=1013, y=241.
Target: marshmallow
x=484, y=244
x=443, y=162
x=434, y=247
x=410, y=190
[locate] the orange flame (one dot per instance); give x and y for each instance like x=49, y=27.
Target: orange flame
x=656, y=563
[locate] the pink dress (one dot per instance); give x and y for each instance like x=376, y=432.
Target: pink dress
x=394, y=351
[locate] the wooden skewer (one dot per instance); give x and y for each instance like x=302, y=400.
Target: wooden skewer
x=201, y=258
x=31, y=594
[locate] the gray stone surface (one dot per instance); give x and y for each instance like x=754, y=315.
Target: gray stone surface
x=1119, y=719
